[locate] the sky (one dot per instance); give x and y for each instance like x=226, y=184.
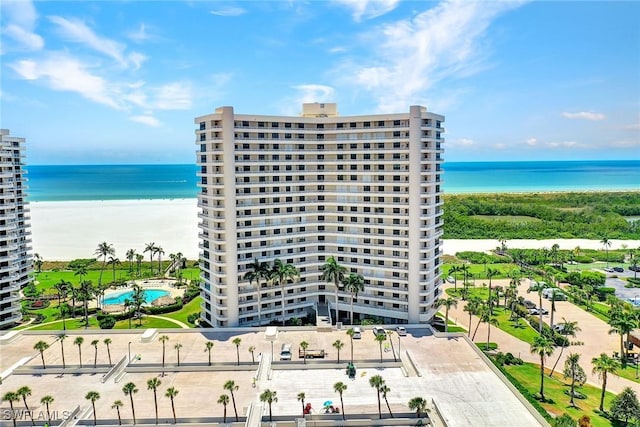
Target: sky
x=121, y=81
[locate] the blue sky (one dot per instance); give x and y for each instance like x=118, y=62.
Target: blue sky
x=121, y=82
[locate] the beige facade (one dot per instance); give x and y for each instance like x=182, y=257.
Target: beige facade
x=364, y=189
x=15, y=262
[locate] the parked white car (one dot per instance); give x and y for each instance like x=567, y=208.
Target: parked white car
x=401, y=331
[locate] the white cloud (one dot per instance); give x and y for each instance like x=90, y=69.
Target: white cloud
x=368, y=9
x=337, y=49
x=463, y=142
x=626, y=143
x=64, y=73
x=228, y=11
x=532, y=142
x=562, y=144
x=409, y=56
x=172, y=96
x=27, y=39
x=314, y=93
x=21, y=18
x=584, y=115
x=140, y=35
x=146, y=120
x=77, y=31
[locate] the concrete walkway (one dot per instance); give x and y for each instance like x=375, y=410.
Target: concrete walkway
x=168, y=319
x=594, y=335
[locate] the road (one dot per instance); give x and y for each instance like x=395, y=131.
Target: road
x=594, y=336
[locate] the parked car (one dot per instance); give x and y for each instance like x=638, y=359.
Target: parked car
x=559, y=328
x=559, y=296
x=357, y=333
x=618, y=269
x=450, y=279
x=401, y=331
x=529, y=304
x=536, y=311
x=378, y=330
x=608, y=269
x=634, y=267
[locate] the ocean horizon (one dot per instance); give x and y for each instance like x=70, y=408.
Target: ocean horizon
x=179, y=181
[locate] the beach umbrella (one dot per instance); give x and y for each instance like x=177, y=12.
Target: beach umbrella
x=327, y=403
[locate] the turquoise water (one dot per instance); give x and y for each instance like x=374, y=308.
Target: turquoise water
x=149, y=296
x=130, y=182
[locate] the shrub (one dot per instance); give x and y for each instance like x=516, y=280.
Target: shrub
x=107, y=322
x=166, y=309
x=603, y=292
x=193, y=317
x=480, y=257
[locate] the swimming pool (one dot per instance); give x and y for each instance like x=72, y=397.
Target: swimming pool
x=149, y=296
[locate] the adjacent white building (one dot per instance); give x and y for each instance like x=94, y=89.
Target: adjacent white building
x=15, y=262
x=364, y=189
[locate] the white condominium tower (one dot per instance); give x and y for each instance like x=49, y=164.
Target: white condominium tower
x=15, y=262
x=364, y=190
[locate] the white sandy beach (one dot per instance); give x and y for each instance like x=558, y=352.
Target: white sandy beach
x=63, y=231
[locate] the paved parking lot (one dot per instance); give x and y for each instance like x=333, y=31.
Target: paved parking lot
x=452, y=373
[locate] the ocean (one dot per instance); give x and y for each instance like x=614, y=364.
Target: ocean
x=130, y=182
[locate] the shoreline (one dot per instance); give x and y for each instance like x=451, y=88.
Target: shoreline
x=63, y=231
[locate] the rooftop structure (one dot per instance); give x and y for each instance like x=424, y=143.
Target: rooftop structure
x=365, y=190
x=15, y=262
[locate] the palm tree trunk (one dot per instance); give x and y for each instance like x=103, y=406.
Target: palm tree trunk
x=379, y=406
x=119, y=419
x=155, y=402
x=542, y=378
x=109, y=354
x=475, y=331
x=94, y=413
x=173, y=409
x=337, y=311
x=604, y=389
x=573, y=387
x=341, y=406
x=388, y=407
x=235, y=411
x=488, y=335
x=95, y=358
x=469, y=330
x=446, y=319
x=557, y=360
x=133, y=409
x=351, y=309
x=282, y=296
x=259, y=304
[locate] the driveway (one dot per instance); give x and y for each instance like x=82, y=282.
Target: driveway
x=591, y=341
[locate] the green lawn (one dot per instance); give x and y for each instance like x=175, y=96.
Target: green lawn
x=629, y=373
x=508, y=218
x=192, y=306
x=528, y=375
x=147, y=322
x=72, y=324
x=479, y=271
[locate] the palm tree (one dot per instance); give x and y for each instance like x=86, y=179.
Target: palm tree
x=41, y=346
x=337, y=344
x=301, y=397
x=489, y=320
x=160, y=252
x=622, y=323
x=258, y=271
x=224, y=401
x=62, y=287
x=163, y=339
x=151, y=248
x=86, y=292
x=269, y=396
x=11, y=397
x=419, y=405
x=139, y=259
x=237, y=342
x=207, y=347
x=37, y=260
x=47, y=400
x=351, y=332
x=127, y=308
x=377, y=382
x=543, y=347
x=93, y=396
x=280, y=273
x=171, y=393
x=251, y=350
x=94, y=343
x=304, y=345
x=380, y=339
x=602, y=366
x=353, y=284
x=573, y=368
x=131, y=254
x=606, y=243
x=153, y=384
x=385, y=389
x=452, y=272
x=138, y=299
x=447, y=303
x=537, y=287
x=78, y=341
x=130, y=389
x=25, y=392
x=472, y=307
x=491, y=272
x=333, y=272
x=116, y=405
x=113, y=262
x=339, y=388
x=178, y=346
x=104, y=250
x=231, y=387
x=568, y=329
x=106, y=342
x=61, y=338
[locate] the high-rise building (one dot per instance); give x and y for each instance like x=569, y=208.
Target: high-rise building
x=365, y=190
x=15, y=262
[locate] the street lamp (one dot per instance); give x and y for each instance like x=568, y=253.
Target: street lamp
x=129, y=351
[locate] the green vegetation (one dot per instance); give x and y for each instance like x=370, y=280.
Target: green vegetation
x=527, y=377
x=542, y=216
